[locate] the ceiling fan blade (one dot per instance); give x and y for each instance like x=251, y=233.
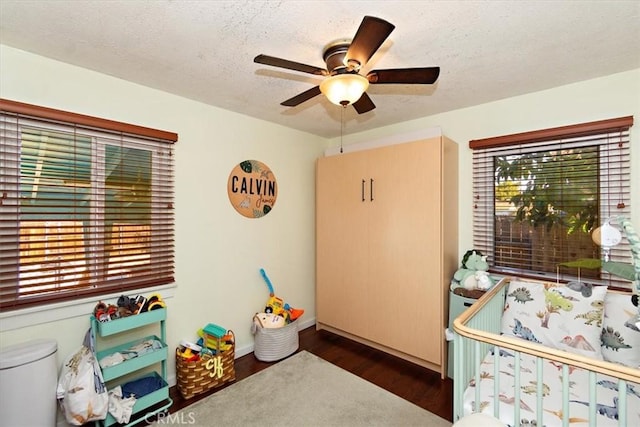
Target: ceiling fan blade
x=364, y=104
x=290, y=65
x=302, y=97
x=369, y=37
x=427, y=75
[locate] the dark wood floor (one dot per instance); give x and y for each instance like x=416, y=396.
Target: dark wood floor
x=407, y=380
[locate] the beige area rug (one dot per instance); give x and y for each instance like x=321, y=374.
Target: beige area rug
x=302, y=391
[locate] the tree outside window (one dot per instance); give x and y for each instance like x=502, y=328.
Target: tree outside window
x=539, y=195
x=546, y=206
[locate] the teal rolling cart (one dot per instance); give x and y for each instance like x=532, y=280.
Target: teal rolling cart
x=156, y=401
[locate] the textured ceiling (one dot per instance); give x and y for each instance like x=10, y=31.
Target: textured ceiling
x=204, y=50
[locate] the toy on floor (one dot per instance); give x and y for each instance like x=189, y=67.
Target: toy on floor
x=277, y=306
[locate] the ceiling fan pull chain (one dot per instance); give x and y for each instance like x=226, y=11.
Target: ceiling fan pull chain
x=341, y=125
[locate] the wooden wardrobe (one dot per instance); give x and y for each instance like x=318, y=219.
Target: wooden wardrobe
x=387, y=246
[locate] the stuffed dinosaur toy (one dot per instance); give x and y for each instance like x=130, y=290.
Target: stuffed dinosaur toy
x=474, y=271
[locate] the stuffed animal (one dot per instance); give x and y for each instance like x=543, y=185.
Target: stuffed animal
x=483, y=280
x=473, y=273
x=269, y=320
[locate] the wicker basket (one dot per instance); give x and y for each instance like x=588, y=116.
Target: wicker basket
x=271, y=344
x=208, y=372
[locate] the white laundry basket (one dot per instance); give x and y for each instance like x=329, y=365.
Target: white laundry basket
x=271, y=344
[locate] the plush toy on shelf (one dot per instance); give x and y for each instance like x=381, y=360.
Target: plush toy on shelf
x=277, y=306
x=474, y=271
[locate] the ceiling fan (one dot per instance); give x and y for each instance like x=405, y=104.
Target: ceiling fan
x=343, y=84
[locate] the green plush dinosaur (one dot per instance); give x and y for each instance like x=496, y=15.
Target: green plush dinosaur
x=474, y=271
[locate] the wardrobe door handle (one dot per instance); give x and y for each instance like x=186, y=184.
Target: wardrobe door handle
x=363, y=190
x=371, y=185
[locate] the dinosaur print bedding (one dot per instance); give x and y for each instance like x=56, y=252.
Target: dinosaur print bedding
x=567, y=318
x=606, y=393
x=576, y=318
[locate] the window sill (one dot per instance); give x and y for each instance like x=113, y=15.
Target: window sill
x=61, y=311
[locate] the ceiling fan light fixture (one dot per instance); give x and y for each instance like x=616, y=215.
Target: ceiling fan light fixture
x=344, y=89
x=343, y=84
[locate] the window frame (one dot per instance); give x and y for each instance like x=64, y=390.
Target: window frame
x=484, y=237
x=104, y=131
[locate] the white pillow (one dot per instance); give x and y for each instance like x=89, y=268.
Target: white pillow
x=620, y=338
x=556, y=316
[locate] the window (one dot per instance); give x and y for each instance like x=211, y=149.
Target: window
x=86, y=206
x=539, y=195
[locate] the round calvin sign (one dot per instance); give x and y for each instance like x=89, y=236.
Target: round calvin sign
x=252, y=189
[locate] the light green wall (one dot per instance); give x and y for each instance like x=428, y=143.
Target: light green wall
x=218, y=252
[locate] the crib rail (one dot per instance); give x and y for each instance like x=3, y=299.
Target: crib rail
x=477, y=331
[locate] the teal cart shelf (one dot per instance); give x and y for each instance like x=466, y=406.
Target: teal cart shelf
x=156, y=401
x=140, y=414
x=135, y=363
x=104, y=329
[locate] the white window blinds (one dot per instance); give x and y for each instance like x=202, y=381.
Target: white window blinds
x=539, y=195
x=86, y=206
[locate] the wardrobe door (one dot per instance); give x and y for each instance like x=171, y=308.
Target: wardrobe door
x=342, y=242
x=404, y=248
x=386, y=233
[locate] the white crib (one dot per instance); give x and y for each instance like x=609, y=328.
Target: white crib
x=481, y=376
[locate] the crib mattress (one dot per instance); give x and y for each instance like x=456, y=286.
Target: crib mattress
x=607, y=408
